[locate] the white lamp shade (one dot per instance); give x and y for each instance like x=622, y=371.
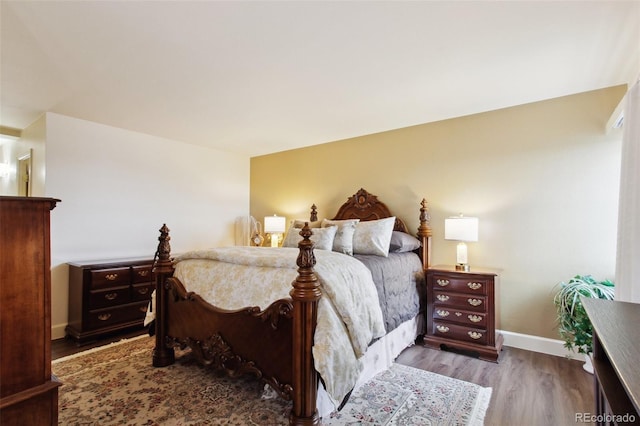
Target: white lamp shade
x=275, y=224
x=461, y=228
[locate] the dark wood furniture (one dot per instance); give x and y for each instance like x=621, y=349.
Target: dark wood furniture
x=616, y=350
x=462, y=311
x=28, y=391
x=108, y=296
x=275, y=344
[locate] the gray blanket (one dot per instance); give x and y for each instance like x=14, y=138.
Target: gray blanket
x=401, y=285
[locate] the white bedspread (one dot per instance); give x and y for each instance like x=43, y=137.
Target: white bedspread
x=349, y=316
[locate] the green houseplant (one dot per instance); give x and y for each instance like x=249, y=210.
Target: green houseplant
x=573, y=323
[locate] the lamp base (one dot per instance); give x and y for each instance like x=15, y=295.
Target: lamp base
x=463, y=267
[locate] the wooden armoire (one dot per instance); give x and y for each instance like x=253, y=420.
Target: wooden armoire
x=28, y=391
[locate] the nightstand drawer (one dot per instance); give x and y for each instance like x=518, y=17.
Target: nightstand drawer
x=109, y=297
x=475, y=319
x=459, y=332
x=142, y=274
x=460, y=285
x=102, y=318
x=140, y=292
x=460, y=301
x=110, y=277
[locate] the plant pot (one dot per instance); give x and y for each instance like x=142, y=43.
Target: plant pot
x=588, y=365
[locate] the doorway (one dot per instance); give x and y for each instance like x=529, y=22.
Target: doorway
x=24, y=174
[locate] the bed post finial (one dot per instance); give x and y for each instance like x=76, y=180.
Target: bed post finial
x=305, y=295
x=163, y=269
x=424, y=234
x=313, y=217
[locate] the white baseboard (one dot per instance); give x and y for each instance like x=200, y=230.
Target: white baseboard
x=538, y=344
x=57, y=331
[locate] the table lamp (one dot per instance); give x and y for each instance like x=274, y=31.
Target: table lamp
x=275, y=226
x=462, y=229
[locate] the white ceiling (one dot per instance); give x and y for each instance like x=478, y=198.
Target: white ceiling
x=265, y=76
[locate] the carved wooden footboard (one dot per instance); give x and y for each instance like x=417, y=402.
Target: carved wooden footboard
x=275, y=345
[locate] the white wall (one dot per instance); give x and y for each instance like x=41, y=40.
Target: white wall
x=117, y=189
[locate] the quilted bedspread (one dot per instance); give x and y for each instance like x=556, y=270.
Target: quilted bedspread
x=349, y=314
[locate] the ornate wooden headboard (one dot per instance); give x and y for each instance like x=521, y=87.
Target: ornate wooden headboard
x=365, y=206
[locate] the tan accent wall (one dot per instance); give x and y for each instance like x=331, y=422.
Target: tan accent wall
x=542, y=178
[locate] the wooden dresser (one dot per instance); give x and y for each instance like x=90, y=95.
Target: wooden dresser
x=462, y=311
x=28, y=391
x=108, y=296
x=616, y=351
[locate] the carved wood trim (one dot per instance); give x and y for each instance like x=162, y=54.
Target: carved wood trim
x=313, y=216
x=163, y=355
x=305, y=294
x=424, y=234
x=366, y=206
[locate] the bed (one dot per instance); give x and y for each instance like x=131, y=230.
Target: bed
x=293, y=343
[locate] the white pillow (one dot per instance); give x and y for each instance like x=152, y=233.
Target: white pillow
x=322, y=237
x=343, y=241
x=373, y=236
x=296, y=225
x=299, y=223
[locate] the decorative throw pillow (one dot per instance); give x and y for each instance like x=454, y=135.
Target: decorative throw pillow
x=299, y=223
x=322, y=237
x=296, y=226
x=373, y=236
x=343, y=241
x=401, y=242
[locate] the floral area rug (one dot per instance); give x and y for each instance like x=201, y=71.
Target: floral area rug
x=117, y=385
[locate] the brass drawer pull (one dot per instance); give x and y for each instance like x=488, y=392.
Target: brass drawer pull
x=442, y=313
x=442, y=283
x=104, y=317
x=111, y=296
x=143, y=273
x=143, y=290
x=442, y=328
x=111, y=277
x=474, y=286
x=474, y=335
x=442, y=297
x=143, y=309
x=474, y=318
x=458, y=314
x=474, y=302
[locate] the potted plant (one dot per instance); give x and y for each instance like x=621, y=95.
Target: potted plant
x=573, y=323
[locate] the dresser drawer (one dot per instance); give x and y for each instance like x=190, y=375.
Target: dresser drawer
x=112, y=277
x=101, y=318
x=110, y=297
x=469, y=318
x=459, y=332
x=142, y=274
x=460, y=301
x=460, y=285
x=140, y=292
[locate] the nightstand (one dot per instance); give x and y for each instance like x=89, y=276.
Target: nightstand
x=462, y=312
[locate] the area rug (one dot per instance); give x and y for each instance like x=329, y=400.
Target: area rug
x=116, y=385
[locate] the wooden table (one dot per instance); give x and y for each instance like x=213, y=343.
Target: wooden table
x=616, y=361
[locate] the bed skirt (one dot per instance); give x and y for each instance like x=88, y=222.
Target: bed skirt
x=379, y=357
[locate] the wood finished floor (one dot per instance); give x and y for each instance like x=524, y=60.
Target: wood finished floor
x=529, y=388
